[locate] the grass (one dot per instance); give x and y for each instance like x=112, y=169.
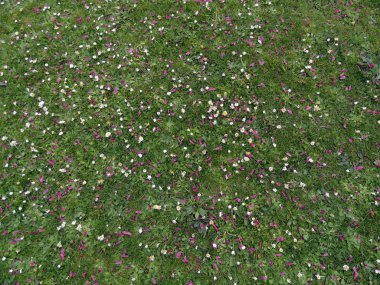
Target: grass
x=189, y=142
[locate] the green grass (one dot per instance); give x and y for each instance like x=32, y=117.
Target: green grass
x=185, y=142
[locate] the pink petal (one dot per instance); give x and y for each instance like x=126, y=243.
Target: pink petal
x=62, y=254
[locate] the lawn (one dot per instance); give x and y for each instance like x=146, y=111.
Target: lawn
x=189, y=142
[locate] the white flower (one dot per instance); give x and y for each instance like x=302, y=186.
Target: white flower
x=156, y=207
x=101, y=238
x=41, y=104
x=345, y=267
x=13, y=143
x=79, y=228
x=59, y=244
x=151, y=258
x=140, y=139
x=108, y=134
